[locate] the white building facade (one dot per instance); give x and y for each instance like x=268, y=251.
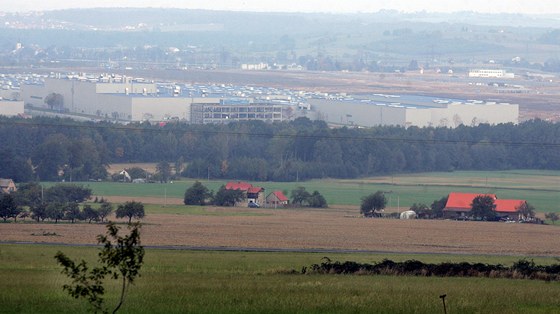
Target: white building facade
x=490, y=73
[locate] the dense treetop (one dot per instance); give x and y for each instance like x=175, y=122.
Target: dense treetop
x=301, y=149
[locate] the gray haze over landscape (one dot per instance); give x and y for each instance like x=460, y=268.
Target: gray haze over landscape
x=499, y=6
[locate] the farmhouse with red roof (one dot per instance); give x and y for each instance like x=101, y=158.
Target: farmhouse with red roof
x=253, y=194
x=276, y=198
x=459, y=205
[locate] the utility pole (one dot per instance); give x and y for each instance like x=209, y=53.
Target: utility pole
x=165, y=197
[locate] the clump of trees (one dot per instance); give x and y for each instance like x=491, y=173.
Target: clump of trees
x=225, y=197
x=198, y=194
x=62, y=202
x=53, y=149
x=302, y=198
x=552, y=217
x=372, y=204
x=120, y=258
x=434, y=211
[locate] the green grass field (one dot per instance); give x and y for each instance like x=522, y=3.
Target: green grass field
x=540, y=188
x=248, y=282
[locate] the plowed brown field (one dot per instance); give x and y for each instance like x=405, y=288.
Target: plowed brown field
x=313, y=229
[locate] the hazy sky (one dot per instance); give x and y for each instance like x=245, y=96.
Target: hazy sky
x=510, y=6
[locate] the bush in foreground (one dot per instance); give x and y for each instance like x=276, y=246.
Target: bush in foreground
x=522, y=269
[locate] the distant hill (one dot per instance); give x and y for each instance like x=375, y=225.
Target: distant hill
x=388, y=39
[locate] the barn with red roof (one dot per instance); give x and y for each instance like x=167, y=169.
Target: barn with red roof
x=460, y=204
x=253, y=194
x=509, y=208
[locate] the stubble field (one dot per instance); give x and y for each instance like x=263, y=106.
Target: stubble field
x=308, y=230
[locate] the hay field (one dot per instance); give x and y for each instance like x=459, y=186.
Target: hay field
x=312, y=229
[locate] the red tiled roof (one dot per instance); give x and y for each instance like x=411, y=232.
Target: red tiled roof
x=254, y=189
x=243, y=186
x=457, y=201
x=508, y=206
x=280, y=196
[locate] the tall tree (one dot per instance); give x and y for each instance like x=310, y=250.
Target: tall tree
x=225, y=197
x=54, y=101
x=373, y=203
x=104, y=210
x=197, y=194
x=316, y=200
x=8, y=207
x=483, y=207
x=300, y=196
x=130, y=210
x=438, y=206
x=72, y=211
x=163, y=171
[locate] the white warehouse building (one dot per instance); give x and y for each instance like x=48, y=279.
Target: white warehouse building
x=450, y=114
x=108, y=98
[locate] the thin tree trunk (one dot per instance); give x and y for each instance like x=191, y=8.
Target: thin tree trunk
x=123, y=290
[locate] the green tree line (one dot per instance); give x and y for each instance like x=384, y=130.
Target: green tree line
x=55, y=149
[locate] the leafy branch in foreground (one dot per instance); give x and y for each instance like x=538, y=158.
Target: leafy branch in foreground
x=120, y=257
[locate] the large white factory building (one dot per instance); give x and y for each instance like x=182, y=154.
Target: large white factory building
x=440, y=113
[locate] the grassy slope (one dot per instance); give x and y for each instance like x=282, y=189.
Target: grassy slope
x=241, y=282
x=540, y=188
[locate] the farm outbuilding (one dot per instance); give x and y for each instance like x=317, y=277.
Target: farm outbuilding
x=276, y=198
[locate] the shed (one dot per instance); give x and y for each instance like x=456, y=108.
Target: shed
x=277, y=198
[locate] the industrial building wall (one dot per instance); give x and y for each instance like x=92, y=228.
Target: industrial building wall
x=474, y=114
x=355, y=113
x=34, y=95
x=418, y=117
x=11, y=108
x=160, y=108
x=112, y=106
x=79, y=96
x=123, y=88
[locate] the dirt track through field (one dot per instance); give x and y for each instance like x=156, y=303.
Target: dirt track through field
x=312, y=230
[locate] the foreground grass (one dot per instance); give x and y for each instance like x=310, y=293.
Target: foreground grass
x=540, y=188
x=242, y=282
